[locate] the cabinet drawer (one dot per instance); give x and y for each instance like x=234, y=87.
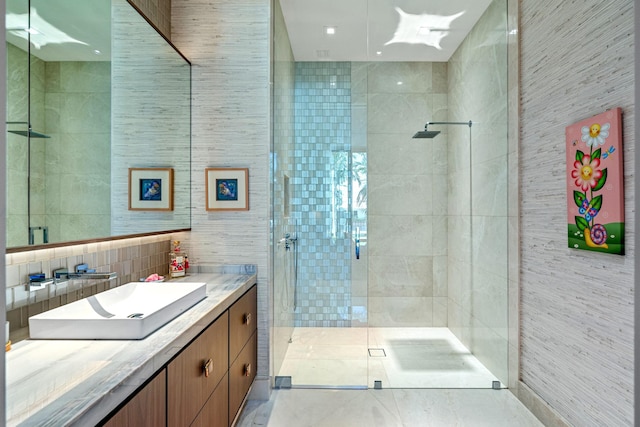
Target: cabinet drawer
x=146, y=408
x=196, y=372
x=242, y=322
x=216, y=411
x=241, y=374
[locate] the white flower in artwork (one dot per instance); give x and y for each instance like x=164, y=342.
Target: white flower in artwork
x=595, y=134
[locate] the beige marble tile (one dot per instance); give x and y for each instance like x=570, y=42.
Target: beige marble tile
x=390, y=194
x=397, y=152
x=392, y=235
x=389, y=408
x=398, y=113
x=400, y=311
x=414, y=77
x=400, y=276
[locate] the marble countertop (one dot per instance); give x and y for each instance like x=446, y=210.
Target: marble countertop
x=79, y=382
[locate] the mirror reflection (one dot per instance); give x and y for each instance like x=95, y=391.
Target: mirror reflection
x=92, y=91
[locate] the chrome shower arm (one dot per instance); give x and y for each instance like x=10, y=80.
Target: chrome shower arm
x=469, y=123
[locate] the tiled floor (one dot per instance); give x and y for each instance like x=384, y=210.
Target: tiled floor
x=412, y=357
x=399, y=357
x=388, y=408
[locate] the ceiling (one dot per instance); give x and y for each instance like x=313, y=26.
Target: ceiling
x=62, y=30
x=366, y=30
x=379, y=30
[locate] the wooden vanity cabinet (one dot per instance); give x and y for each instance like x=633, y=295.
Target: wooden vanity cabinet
x=194, y=375
x=215, y=412
x=243, y=349
x=241, y=375
x=207, y=382
x=146, y=408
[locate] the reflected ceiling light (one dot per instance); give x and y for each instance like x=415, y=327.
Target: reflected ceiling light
x=39, y=27
x=329, y=30
x=379, y=52
x=422, y=29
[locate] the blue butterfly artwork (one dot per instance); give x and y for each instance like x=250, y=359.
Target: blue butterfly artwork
x=588, y=210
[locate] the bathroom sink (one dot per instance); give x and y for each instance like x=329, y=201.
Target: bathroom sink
x=130, y=311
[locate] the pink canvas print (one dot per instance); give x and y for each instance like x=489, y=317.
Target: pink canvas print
x=595, y=194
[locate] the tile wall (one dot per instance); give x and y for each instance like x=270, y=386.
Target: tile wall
x=478, y=183
x=407, y=192
x=75, y=162
x=17, y=170
x=322, y=209
x=71, y=103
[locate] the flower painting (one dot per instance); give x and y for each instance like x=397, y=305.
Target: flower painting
x=595, y=196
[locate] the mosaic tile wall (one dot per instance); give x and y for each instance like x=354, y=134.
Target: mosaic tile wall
x=322, y=150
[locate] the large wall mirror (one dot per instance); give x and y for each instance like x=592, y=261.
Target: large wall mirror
x=93, y=90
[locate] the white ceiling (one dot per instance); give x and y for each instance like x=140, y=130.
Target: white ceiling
x=365, y=27
x=67, y=30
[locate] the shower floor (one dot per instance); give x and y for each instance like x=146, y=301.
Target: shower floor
x=398, y=357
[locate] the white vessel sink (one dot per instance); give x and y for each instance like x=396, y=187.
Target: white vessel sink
x=130, y=311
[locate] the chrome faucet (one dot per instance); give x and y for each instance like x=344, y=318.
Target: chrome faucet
x=288, y=241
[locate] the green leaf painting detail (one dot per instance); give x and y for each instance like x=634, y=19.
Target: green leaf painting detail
x=581, y=223
x=601, y=181
x=579, y=155
x=596, y=203
x=596, y=154
x=578, y=197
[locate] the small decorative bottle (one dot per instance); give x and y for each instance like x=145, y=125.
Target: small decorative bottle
x=178, y=261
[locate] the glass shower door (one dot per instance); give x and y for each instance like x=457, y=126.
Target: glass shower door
x=315, y=239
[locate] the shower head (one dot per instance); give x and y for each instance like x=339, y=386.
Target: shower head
x=426, y=134
x=432, y=133
x=29, y=133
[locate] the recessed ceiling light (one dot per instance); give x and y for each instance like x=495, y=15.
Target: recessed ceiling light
x=329, y=30
x=379, y=52
x=97, y=52
x=399, y=83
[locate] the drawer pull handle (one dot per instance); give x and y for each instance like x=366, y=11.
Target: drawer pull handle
x=246, y=319
x=247, y=370
x=207, y=367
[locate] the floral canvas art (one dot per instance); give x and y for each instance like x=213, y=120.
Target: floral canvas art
x=595, y=195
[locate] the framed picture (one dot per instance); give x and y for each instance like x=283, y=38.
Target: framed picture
x=227, y=189
x=595, y=193
x=150, y=189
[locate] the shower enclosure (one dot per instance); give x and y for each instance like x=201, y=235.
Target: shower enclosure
x=390, y=253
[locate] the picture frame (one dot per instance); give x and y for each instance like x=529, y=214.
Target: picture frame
x=227, y=189
x=150, y=189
